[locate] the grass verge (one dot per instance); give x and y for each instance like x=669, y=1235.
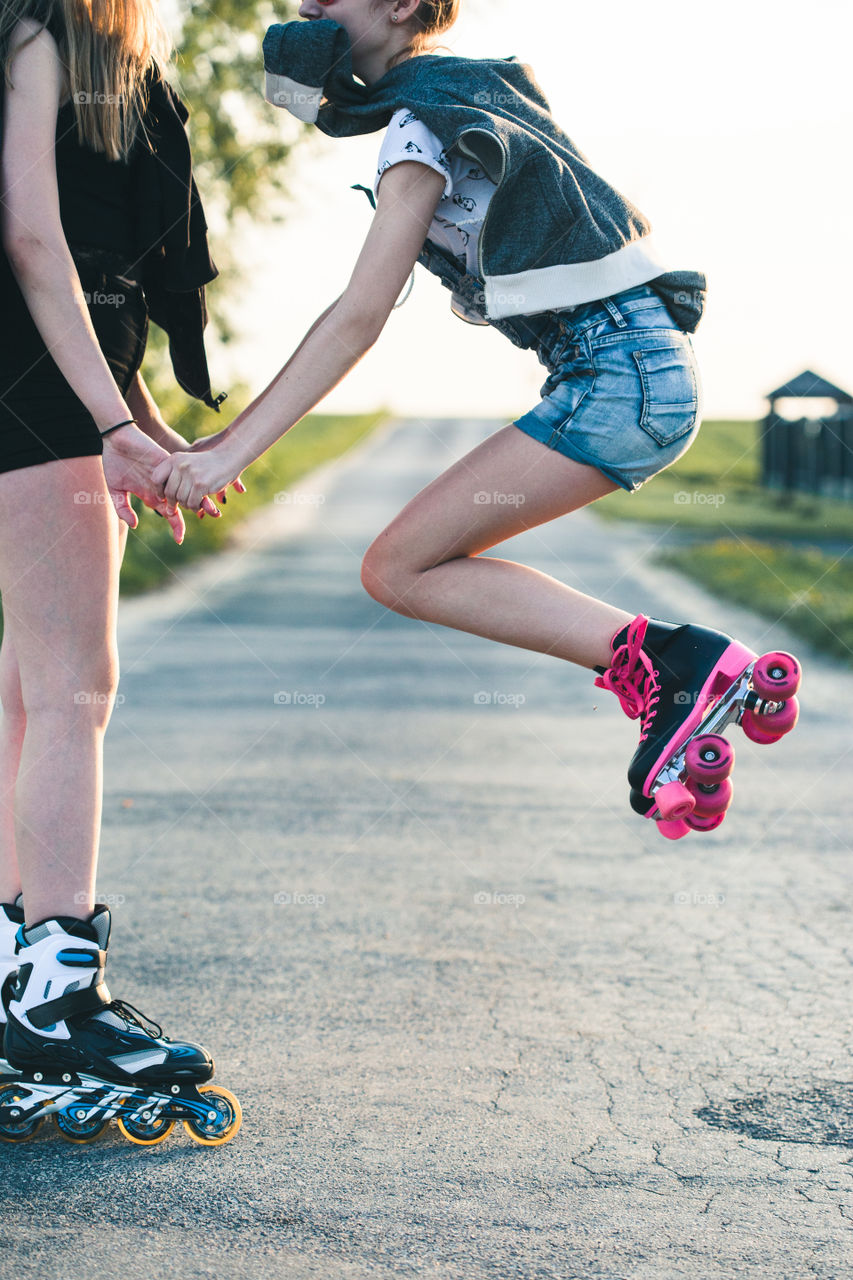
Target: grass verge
x=809, y=590
x=715, y=490
x=748, y=544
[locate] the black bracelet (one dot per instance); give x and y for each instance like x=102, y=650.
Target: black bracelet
x=129, y=422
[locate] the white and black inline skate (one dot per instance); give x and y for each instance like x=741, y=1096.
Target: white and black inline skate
x=86, y=1059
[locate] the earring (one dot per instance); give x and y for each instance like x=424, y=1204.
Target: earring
x=394, y=18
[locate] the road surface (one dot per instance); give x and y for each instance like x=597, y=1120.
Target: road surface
x=483, y=1021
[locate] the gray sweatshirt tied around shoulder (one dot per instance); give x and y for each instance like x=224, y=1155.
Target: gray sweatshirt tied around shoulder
x=585, y=242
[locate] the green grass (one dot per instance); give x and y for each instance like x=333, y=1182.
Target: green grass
x=714, y=489
x=758, y=548
x=151, y=553
x=809, y=590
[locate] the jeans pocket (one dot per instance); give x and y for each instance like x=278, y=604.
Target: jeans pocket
x=670, y=392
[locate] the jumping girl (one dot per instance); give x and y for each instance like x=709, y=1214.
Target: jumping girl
x=100, y=224
x=477, y=182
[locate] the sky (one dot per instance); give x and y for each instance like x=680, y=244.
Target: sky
x=730, y=124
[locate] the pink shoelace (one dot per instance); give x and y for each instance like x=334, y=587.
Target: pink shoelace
x=632, y=677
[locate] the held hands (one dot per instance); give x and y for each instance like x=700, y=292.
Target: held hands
x=207, y=467
x=129, y=460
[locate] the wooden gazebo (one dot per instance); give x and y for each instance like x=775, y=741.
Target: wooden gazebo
x=812, y=453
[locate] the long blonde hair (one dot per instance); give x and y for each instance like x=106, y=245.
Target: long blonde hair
x=108, y=47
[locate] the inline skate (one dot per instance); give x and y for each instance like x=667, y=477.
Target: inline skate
x=687, y=684
x=86, y=1059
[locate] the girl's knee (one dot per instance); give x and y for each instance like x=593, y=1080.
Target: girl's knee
x=11, y=698
x=74, y=690
x=385, y=578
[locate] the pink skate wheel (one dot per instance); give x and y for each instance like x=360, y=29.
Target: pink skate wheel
x=776, y=677
x=756, y=729
x=711, y=798
x=674, y=830
x=709, y=758
x=770, y=728
x=784, y=720
x=709, y=822
x=674, y=801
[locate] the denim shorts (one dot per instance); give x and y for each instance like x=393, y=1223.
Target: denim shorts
x=623, y=393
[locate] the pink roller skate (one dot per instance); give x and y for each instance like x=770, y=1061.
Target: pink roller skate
x=687, y=684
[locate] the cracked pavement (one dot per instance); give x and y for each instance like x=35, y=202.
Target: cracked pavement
x=483, y=1021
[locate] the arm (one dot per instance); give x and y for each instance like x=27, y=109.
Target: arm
x=143, y=407
x=408, y=197
x=41, y=261
x=205, y=443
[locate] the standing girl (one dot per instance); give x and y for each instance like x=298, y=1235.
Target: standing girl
x=100, y=222
x=477, y=182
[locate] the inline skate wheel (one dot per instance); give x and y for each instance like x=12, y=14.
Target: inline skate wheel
x=674, y=801
x=711, y=797
x=709, y=758
x=776, y=676
x=12, y=1130
x=674, y=830
x=76, y=1125
x=222, y=1121
x=705, y=822
x=145, y=1132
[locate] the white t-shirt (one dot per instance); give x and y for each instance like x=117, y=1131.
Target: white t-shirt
x=459, y=218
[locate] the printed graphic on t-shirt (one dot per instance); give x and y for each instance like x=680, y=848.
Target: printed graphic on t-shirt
x=467, y=192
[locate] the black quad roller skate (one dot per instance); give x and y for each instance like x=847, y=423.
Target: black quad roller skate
x=687, y=684
x=86, y=1059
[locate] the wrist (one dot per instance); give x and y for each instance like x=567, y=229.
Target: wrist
x=121, y=425
x=234, y=451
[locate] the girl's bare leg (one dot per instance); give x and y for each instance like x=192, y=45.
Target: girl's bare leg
x=13, y=723
x=60, y=553
x=427, y=563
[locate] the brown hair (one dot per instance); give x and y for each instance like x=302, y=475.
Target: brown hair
x=433, y=18
x=107, y=47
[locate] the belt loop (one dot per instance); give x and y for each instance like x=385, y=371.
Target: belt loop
x=615, y=312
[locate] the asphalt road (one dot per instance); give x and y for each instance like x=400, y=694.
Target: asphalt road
x=483, y=1021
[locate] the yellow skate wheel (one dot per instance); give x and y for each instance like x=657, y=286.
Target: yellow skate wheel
x=13, y=1131
x=146, y=1133
x=223, y=1120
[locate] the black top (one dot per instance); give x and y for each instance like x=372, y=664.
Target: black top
x=146, y=209
x=95, y=193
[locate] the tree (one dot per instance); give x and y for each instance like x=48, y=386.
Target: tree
x=240, y=155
